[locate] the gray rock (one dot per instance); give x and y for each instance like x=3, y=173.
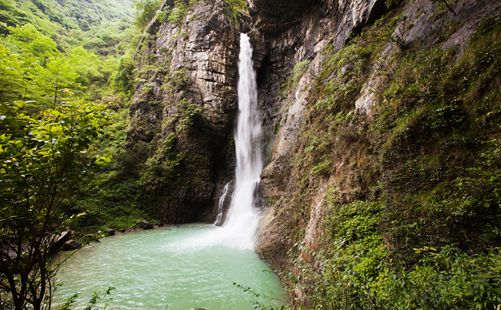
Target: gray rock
x=194, y=61
x=145, y=224
x=62, y=238
x=71, y=245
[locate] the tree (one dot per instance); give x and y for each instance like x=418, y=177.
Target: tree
x=146, y=11
x=42, y=159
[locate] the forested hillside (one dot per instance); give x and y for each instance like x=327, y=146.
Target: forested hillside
x=378, y=124
x=63, y=112
x=95, y=25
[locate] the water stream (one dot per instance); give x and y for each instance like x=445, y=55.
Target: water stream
x=243, y=216
x=220, y=208
x=192, y=265
x=239, y=229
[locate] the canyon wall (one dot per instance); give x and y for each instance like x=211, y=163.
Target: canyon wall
x=180, y=141
x=363, y=114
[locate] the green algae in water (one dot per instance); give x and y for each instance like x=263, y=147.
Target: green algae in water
x=150, y=271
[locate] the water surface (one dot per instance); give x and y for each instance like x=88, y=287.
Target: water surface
x=155, y=270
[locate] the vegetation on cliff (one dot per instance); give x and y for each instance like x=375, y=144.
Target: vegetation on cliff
x=413, y=189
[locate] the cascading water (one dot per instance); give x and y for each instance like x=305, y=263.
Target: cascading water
x=243, y=216
x=220, y=206
x=241, y=223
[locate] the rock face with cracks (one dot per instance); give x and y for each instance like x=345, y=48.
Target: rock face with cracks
x=180, y=137
x=323, y=43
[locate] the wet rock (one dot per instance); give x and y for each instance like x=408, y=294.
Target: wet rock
x=62, y=238
x=145, y=224
x=110, y=231
x=274, y=15
x=71, y=245
x=59, y=240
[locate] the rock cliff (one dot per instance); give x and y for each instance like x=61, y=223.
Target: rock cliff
x=327, y=77
x=381, y=123
x=180, y=137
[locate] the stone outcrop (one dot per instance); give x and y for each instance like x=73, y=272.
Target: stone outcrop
x=291, y=52
x=110, y=232
x=71, y=245
x=183, y=109
x=145, y=224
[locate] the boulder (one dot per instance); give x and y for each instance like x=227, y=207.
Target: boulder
x=71, y=245
x=91, y=238
x=61, y=239
x=145, y=224
x=110, y=232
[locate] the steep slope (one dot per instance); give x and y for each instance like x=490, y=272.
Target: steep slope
x=384, y=167
x=180, y=139
x=95, y=24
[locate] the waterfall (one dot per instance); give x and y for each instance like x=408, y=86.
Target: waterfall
x=241, y=223
x=243, y=216
x=220, y=206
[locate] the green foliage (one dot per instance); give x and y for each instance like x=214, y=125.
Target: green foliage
x=146, y=10
x=70, y=23
x=179, y=79
x=358, y=271
x=260, y=299
x=179, y=12
x=97, y=301
x=414, y=221
x=437, y=116
x=322, y=168
x=36, y=70
x=63, y=127
x=188, y=114
x=344, y=72
x=68, y=303
x=43, y=156
x=124, y=76
x=356, y=258
x=97, y=298
x=391, y=4
x=298, y=71
x=237, y=8
x=162, y=167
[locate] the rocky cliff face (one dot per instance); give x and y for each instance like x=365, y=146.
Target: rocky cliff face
x=326, y=72
x=180, y=138
x=381, y=123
